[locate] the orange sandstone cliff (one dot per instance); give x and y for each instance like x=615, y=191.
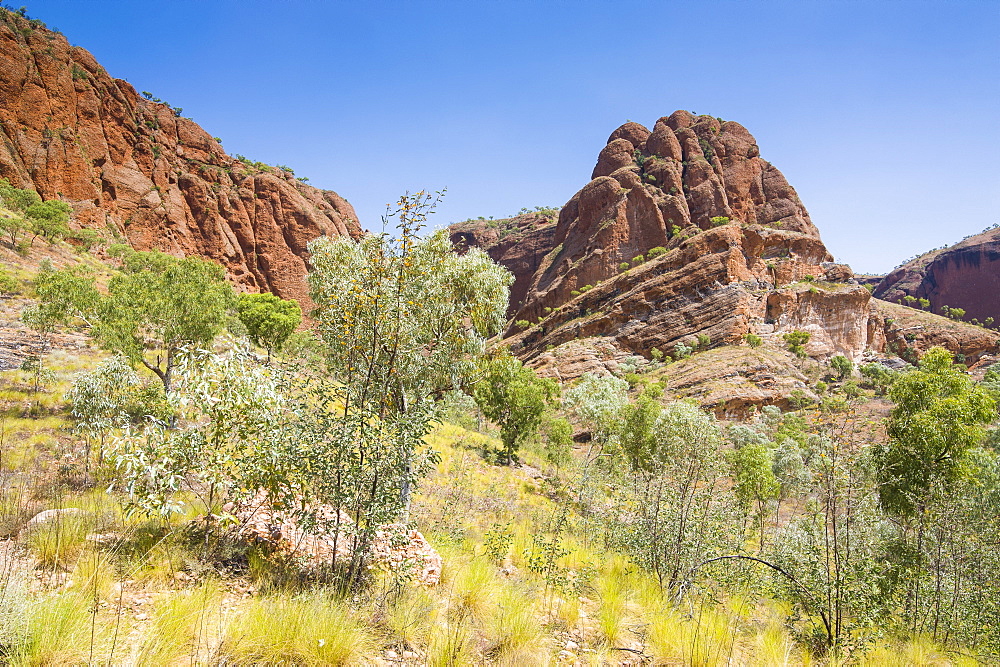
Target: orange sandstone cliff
x=137, y=170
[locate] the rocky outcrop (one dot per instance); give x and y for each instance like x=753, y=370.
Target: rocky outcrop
x=519, y=244
x=686, y=237
x=332, y=540
x=137, y=169
x=684, y=234
x=965, y=275
x=721, y=283
x=653, y=190
x=909, y=332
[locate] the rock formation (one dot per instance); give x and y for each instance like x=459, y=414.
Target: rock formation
x=135, y=168
x=965, y=275
x=909, y=332
x=682, y=231
x=519, y=243
x=686, y=236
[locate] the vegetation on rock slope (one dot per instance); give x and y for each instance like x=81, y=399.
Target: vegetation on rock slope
x=662, y=536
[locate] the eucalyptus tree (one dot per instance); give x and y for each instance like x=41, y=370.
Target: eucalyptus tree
x=404, y=319
x=269, y=319
x=934, y=430
x=155, y=306
x=511, y=395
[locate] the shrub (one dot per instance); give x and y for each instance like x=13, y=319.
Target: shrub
x=704, y=340
x=638, y=259
x=796, y=341
x=877, y=377
x=8, y=285
x=656, y=354
x=851, y=389
x=719, y=220
x=753, y=340
x=522, y=324
x=653, y=253
x=624, y=266
x=682, y=351
x=842, y=365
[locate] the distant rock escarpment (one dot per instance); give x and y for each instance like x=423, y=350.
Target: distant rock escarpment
x=134, y=167
x=965, y=275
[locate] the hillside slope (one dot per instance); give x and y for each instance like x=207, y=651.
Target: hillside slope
x=136, y=168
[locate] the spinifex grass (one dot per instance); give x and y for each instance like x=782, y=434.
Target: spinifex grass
x=309, y=629
x=186, y=624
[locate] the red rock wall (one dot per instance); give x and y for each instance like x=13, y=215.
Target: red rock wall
x=966, y=275
x=159, y=181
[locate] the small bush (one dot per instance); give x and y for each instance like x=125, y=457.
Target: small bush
x=842, y=365
x=851, y=389
x=753, y=340
x=796, y=341
x=704, y=340
x=653, y=253
x=522, y=324
x=877, y=377
x=719, y=220
x=682, y=351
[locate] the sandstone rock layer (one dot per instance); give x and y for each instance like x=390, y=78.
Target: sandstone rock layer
x=135, y=168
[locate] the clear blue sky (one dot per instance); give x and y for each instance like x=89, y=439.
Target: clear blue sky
x=884, y=115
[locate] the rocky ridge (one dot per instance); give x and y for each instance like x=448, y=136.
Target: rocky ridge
x=134, y=167
x=682, y=231
x=965, y=275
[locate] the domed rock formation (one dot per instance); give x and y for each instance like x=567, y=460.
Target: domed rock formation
x=684, y=234
x=134, y=167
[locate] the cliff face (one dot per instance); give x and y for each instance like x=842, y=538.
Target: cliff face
x=519, y=244
x=135, y=168
x=965, y=275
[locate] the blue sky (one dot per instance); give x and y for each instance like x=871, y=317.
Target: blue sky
x=885, y=116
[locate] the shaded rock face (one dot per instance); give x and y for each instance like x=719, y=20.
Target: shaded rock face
x=519, y=244
x=148, y=176
x=965, y=275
